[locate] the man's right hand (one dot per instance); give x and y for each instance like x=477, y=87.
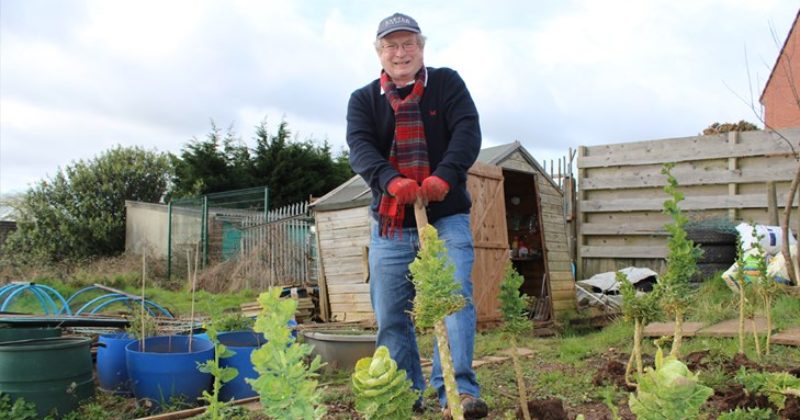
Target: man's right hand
x=405, y=190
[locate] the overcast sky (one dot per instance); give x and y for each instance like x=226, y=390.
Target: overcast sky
x=78, y=77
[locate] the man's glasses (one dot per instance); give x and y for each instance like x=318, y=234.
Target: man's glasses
x=393, y=48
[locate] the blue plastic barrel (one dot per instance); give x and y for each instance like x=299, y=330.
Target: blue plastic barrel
x=112, y=370
x=166, y=369
x=242, y=343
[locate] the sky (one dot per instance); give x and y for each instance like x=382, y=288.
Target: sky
x=78, y=77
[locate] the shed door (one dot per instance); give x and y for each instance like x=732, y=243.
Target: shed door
x=488, y=218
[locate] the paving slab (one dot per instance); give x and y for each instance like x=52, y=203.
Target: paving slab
x=788, y=337
x=660, y=329
x=730, y=328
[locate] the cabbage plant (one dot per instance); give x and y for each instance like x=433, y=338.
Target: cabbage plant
x=382, y=391
x=668, y=392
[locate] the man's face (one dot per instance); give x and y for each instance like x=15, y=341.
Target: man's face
x=401, y=56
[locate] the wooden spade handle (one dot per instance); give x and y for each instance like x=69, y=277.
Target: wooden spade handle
x=421, y=216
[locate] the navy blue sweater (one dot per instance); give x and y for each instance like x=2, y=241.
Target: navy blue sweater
x=452, y=132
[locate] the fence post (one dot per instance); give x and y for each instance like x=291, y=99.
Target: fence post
x=169, y=240
x=733, y=188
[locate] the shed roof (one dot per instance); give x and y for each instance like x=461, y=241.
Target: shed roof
x=355, y=192
x=7, y=214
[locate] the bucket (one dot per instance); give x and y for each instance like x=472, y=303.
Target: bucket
x=339, y=349
x=53, y=373
x=242, y=343
x=112, y=371
x=16, y=334
x=166, y=369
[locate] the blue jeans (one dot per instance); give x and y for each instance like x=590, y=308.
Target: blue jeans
x=392, y=295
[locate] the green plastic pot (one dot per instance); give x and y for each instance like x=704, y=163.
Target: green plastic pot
x=53, y=373
x=16, y=334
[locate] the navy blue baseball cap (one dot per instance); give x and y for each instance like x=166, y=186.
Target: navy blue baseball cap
x=397, y=22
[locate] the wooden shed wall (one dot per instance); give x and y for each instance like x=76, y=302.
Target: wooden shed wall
x=344, y=239
x=621, y=196
x=556, y=251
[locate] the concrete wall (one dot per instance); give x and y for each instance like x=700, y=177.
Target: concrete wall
x=146, y=228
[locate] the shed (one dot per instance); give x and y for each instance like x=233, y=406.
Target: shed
x=515, y=205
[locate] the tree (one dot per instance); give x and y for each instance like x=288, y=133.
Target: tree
x=80, y=212
x=717, y=128
x=218, y=163
x=292, y=170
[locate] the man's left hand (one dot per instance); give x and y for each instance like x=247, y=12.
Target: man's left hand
x=434, y=189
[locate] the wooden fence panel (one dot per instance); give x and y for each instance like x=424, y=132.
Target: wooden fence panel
x=620, y=191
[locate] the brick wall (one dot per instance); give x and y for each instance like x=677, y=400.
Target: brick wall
x=780, y=98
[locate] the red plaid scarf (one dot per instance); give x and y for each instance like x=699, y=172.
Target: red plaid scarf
x=409, y=151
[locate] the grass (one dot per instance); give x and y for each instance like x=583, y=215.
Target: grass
x=562, y=366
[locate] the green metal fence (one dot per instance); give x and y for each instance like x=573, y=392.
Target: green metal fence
x=241, y=242
x=199, y=227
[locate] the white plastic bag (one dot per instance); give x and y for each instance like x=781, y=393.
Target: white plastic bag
x=771, y=237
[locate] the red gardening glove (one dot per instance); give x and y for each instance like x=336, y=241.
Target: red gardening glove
x=405, y=190
x=434, y=189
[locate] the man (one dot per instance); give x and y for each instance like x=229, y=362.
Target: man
x=414, y=133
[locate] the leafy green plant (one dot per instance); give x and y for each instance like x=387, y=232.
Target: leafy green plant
x=749, y=414
x=141, y=322
x=221, y=374
x=776, y=386
x=670, y=391
x=765, y=286
x=18, y=410
x=641, y=309
x=513, y=305
x=674, y=289
x=287, y=386
x=437, y=296
x=382, y=391
x=231, y=322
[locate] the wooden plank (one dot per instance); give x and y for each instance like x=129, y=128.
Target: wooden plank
x=352, y=244
x=564, y=305
x=348, y=233
x=639, y=228
x=624, y=251
x=662, y=329
x=789, y=337
x=350, y=307
x=349, y=316
x=348, y=288
x=558, y=256
x=486, y=171
x=683, y=150
x=686, y=177
x=730, y=328
x=561, y=276
x=348, y=298
x=691, y=203
x=562, y=285
x=552, y=200
x=564, y=295
x=337, y=215
x=345, y=278
x=554, y=266
x=336, y=256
